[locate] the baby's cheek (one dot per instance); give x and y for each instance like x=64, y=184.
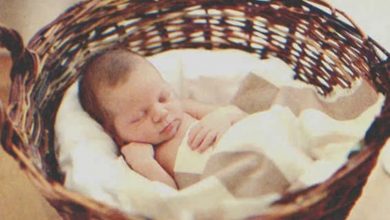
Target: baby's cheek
x=178, y=106
x=126, y=133
x=179, y=111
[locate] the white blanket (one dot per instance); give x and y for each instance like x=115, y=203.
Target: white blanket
x=316, y=134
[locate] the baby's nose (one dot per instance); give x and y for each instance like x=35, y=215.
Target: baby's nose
x=159, y=113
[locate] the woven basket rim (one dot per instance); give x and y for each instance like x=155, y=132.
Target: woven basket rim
x=30, y=71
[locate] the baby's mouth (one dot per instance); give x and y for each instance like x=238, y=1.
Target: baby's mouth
x=171, y=126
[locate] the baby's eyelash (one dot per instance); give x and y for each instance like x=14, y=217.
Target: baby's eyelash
x=140, y=116
x=135, y=120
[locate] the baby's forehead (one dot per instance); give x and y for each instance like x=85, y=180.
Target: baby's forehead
x=146, y=72
x=135, y=87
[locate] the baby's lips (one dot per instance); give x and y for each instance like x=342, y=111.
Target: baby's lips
x=168, y=122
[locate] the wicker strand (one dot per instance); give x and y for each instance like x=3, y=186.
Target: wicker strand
x=336, y=11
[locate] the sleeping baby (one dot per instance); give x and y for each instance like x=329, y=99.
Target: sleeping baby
x=139, y=110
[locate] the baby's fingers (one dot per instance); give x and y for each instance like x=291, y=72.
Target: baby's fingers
x=207, y=141
x=219, y=135
x=193, y=133
x=198, y=139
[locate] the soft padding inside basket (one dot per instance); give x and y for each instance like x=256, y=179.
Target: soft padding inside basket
x=295, y=120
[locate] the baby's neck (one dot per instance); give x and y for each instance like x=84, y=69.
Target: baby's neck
x=165, y=153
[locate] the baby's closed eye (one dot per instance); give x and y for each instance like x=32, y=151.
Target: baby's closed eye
x=138, y=117
x=134, y=120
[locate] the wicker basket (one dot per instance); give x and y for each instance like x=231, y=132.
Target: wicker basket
x=323, y=46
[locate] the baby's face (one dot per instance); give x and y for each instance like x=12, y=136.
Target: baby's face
x=145, y=108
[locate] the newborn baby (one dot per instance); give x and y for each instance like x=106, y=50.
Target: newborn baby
x=128, y=97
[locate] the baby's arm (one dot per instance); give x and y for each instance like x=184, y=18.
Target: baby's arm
x=214, y=121
x=140, y=158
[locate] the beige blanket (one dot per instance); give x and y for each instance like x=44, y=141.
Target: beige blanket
x=253, y=151
x=293, y=138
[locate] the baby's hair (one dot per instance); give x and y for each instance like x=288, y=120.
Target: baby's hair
x=104, y=71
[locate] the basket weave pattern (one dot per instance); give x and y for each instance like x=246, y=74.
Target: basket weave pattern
x=322, y=44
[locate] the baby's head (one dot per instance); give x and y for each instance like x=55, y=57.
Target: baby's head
x=128, y=97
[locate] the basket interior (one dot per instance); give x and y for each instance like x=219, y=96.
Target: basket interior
x=319, y=44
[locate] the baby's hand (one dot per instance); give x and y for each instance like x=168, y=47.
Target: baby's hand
x=211, y=127
x=137, y=152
